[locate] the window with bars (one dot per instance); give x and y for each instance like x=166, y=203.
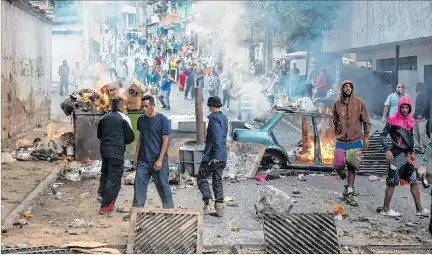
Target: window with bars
x=406, y=63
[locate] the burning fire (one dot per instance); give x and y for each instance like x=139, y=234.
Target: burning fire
x=51, y=133
x=324, y=110
x=327, y=151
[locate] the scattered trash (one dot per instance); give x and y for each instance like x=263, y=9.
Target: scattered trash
x=296, y=191
x=92, y=170
x=78, y=223
x=338, y=209
x=23, y=143
x=373, y=178
x=73, y=176
x=84, y=195
x=379, y=209
x=130, y=179
x=363, y=219
x=127, y=165
x=317, y=174
x=25, y=214
x=235, y=228
x=260, y=177
x=174, y=175
x=338, y=217
x=59, y=195
x=301, y=177
x=232, y=204
x=20, y=223
x=23, y=154
x=227, y=199
x=55, y=188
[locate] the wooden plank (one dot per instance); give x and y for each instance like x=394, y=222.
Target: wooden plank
x=200, y=233
x=258, y=162
x=131, y=233
x=166, y=211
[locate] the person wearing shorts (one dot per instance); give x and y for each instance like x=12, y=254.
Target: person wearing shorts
x=350, y=118
x=400, y=157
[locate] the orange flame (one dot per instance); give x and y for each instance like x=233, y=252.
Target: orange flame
x=51, y=133
x=327, y=147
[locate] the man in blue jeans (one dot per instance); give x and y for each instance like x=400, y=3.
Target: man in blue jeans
x=151, y=158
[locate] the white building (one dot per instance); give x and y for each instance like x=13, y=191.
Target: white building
x=373, y=29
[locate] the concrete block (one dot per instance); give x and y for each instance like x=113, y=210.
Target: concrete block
x=272, y=199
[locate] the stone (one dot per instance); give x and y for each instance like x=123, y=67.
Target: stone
x=78, y=223
x=59, y=195
x=23, y=143
x=272, y=199
x=55, y=188
x=130, y=179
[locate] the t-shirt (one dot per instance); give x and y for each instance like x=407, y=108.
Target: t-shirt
x=175, y=46
x=159, y=60
x=152, y=129
x=166, y=83
x=392, y=102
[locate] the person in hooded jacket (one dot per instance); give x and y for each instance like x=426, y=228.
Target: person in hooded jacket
x=401, y=157
x=350, y=115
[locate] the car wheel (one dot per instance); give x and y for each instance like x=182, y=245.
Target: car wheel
x=274, y=157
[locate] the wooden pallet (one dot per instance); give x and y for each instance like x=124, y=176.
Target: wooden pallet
x=165, y=231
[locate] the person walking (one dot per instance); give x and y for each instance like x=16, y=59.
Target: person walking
x=401, y=157
x=190, y=82
x=391, y=103
x=214, y=157
x=114, y=132
x=349, y=116
x=213, y=83
x=420, y=115
x=164, y=97
x=226, y=87
x=151, y=157
x=426, y=162
x=63, y=72
x=173, y=67
x=146, y=70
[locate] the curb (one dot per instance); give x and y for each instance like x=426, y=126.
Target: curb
x=8, y=222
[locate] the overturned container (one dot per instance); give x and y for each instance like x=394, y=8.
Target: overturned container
x=190, y=155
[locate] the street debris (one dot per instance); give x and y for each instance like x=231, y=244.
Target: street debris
x=78, y=223
x=296, y=191
x=243, y=159
x=7, y=157
x=91, y=170
x=374, y=178
x=235, y=228
x=59, y=195
x=338, y=209
x=73, y=176
x=260, y=177
x=23, y=143
x=130, y=179
x=273, y=199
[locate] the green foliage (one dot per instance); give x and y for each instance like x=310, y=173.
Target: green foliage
x=161, y=6
x=300, y=23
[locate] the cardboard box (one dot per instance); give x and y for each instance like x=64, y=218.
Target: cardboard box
x=134, y=103
x=134, y=88
x=112, y=88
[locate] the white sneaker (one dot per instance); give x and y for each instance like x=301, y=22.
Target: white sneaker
x=424, y=213
x=390, y=213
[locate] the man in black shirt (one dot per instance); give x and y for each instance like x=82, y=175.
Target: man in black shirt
x=114, y=132
x=151, y=158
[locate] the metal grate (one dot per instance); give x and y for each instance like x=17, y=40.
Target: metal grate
x=38, y=250
x=374, y=158
x=300, y=233
x=165, y=231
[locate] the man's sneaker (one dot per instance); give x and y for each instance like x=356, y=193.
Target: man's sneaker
x=390, y=213
x=424, y=213
x=207, y=209
x=345, y=193
x=349, y=199
x=107, y=209
x=219, y=207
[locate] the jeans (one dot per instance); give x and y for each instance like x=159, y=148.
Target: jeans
x=216, y=171
x=212, y=92
x=144, y=172
x=190, y=87
x=226, y=98
x=173, y=74
x=110, y=180
x=164, y=98
x=63, y=86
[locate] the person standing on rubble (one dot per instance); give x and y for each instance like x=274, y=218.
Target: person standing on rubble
x=401, y=157
x=349, y=116
x=64, y=78
x=114, y=132
x=214, y=158
x=151, y=158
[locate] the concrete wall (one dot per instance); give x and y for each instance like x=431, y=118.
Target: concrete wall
x=26, y=67
x=365, y=23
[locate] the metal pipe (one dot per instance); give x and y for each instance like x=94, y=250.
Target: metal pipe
x=199, y=119
x=397, y=65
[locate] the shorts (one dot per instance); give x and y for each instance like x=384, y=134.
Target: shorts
x=349, y=157
x=175, y=51
x=401, y=170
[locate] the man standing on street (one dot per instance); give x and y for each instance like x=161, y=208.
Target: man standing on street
x=214, y=157
x=151, y=158
x=420, y=115
x=114, y=132
x=64, y=78
x=391, y=103
x=146, y=69
x=164, y=96
x=401, y=157
x=349, y=116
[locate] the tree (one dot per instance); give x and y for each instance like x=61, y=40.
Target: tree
x=299, y=24
x=161, y=6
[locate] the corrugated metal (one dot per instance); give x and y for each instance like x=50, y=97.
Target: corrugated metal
x=165, y=231
x=38, y=250
x=300, y=233
x=374, y=158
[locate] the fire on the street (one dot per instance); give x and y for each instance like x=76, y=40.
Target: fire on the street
x=52, y=132
x=327, y=151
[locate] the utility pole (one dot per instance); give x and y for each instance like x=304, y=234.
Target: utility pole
x=397, y=65
x=199, y=119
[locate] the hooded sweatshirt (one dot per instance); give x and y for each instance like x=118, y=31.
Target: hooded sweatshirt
x=400, y=129
x=349, y=117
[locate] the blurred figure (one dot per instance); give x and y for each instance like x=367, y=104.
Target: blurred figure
x=146, y=70
x=321, y=84
x=226, y=87
x=294, y=79
x=391, y=103
x=421, y=114
x=78, y=75
x=164, y=96
x=64, y=78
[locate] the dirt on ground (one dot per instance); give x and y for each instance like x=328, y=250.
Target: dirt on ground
x=19, y=179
